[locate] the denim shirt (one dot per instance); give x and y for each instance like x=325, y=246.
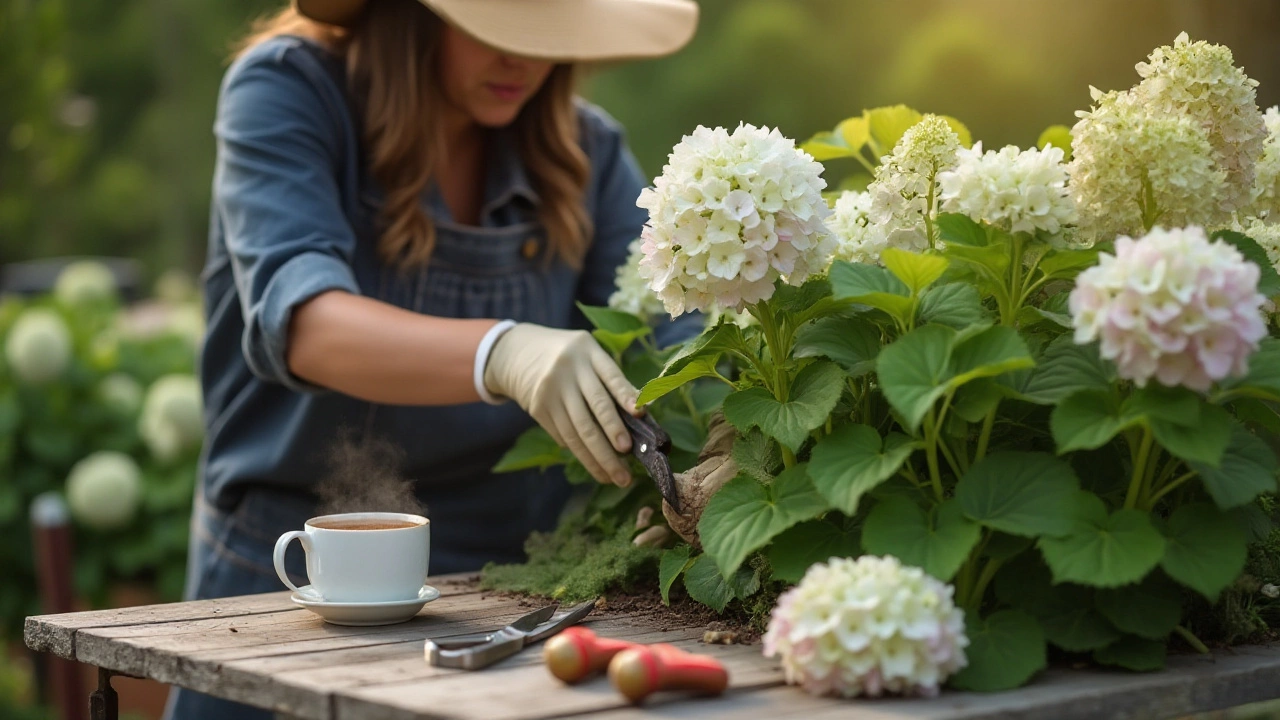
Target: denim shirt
x=293, y=215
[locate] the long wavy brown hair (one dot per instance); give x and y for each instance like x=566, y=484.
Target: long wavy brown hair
x=392, y=56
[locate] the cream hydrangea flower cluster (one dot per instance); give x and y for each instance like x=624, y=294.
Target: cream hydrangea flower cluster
x=730, y=214
x=1266, y=175
x=633, y=295
x=1184, y=142
x=1200, y=81
x=904, y=192
x=859, y=240
x=1118, y=146
x=1263, y=232
x=867, y=627
x=1020, y=191
x=1173, y=306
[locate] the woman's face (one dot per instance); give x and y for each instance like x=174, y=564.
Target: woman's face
x=487, y=86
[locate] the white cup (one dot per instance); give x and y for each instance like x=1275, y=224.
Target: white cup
x=350, y=564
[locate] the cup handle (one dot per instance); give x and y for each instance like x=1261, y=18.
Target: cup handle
x=278, y=558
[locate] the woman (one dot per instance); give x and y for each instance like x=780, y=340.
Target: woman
x=408, y=202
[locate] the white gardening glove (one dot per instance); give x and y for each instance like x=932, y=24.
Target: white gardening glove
x=568, y=384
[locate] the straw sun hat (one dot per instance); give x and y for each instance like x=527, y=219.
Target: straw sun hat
x=565, y=30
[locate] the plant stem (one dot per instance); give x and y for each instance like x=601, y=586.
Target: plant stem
x=932, y=421
x=949, y=456
x=984, y=579
x=985, y=438
x=1139, y=469
x=1168, y=489
x=928, y=211
x=1010, y=318
x=689, y=405
x=778, y=356
x=1191, y=639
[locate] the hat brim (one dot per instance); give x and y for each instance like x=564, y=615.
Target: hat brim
x=560, y=30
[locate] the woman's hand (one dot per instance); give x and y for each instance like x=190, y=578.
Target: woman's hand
x=568, y=384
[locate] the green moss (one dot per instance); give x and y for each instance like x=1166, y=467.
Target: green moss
x=573, y=564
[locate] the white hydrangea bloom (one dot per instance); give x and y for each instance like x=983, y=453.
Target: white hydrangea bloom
x=104, y=490
x=1266, y=176
x=172, y=416
x=633, y=294
x=859, y=239
x=904, y=192
x=867, y=627
x=1119, y=145
x=38, y=348
x=1200, y=81
x=121, y=392
x=85, y=282
x=1020, y=191
x=730, y=214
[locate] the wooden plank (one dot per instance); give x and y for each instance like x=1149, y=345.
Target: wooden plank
x=303, y=684
x=56, y=633
x=1190, y=684
x=527, y=692
x=177, y=652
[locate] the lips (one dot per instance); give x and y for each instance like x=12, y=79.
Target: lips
x=506, y=92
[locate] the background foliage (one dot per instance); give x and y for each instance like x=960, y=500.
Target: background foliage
x=106, y=106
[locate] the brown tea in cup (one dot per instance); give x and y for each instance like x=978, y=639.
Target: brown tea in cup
x=364, y=524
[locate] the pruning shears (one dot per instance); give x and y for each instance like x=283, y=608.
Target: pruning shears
x=651, y=445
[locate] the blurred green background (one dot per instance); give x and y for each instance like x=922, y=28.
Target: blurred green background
x=106, y=109
x=106, y=105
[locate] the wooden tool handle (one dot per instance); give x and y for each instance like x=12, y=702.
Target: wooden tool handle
x=640, y=671
x=578, y=653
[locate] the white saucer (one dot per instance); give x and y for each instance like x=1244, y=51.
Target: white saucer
x=365, y=613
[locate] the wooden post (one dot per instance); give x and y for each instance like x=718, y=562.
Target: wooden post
x=52, y=542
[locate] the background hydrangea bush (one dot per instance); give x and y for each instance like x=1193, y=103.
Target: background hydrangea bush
x=1045, y=377
x=98, y=403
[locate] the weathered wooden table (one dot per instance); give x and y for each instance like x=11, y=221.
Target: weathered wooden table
x=264, y=651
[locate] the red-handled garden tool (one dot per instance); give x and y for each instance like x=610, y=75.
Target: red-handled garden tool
x=577, y=653
x=641, y=671
x=636, y=670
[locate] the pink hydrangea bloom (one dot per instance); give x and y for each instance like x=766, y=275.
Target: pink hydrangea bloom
x=1172, y=306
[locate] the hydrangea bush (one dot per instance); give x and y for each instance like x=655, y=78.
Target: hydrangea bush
x=1042, y=380
x=98, y=404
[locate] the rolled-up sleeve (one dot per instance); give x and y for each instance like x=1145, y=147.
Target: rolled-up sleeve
x=277, y=198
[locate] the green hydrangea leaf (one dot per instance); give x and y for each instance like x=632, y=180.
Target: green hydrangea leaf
x=1247, y=469
x=814, y=394
x=705, y=584
x=916, y=270
x=851, y=341
x=1020, y=493
x=1133, y=653
x=794, y=550
x=937, y=541
x=1005, y=650
x=853, y=460
x=744, y=515
x=1205, y=548
x=672, y=565
x=1101, y=549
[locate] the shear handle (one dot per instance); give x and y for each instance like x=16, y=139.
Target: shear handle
x=472, y=652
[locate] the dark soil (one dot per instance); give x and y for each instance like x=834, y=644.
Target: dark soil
x=732, y=627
